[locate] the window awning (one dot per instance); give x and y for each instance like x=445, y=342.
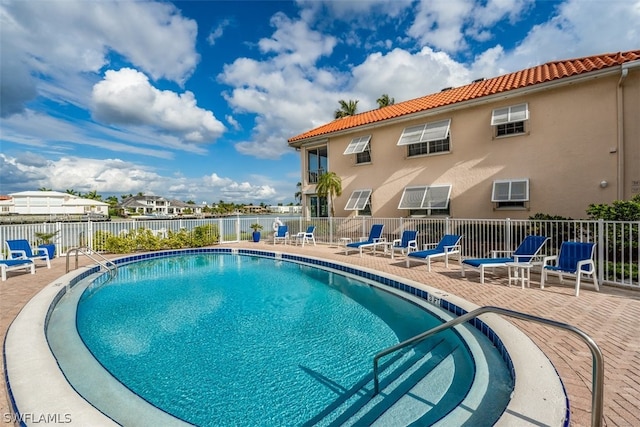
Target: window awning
x=358, y=200
x=425, y=197
x=512, y=190
x=514, y=113
x=433, y=131
x=358, y=145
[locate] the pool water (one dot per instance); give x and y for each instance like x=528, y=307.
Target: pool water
x=221, y=339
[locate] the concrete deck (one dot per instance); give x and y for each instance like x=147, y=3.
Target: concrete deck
x=611, y=317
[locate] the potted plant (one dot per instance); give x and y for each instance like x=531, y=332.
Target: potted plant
x=256, y=231
x=45, y=241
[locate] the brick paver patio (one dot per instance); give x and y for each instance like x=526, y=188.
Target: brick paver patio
x=611, y=317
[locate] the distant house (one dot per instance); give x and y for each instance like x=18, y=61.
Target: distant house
x=50, y=203
x=158, y=206
x=286, y=210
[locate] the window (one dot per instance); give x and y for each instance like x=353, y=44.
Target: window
x=316, y=163
x=426, y=200
x=361, y=148
x=359, y=201
x=318, y=206
x=429, y=138
x=510, y=120
x=510, y=193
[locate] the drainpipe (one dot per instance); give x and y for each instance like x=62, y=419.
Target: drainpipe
x=621, y=148
x=620, y=177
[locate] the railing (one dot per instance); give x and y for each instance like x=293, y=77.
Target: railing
x=597, y=358
x=618, y=243
x=104, y=262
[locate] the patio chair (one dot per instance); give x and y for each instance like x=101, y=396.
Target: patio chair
x=407, y=243
x=448, y=245
x=15, y=264
x=306, y=236
x=524, y=253
x=575, y=259
x=20, y=249
x=375, y=237
x=282, y=235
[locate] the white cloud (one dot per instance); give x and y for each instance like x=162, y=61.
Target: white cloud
x=217, y=32
x=126, y=97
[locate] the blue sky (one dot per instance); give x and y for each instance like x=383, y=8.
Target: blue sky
x=196, y=100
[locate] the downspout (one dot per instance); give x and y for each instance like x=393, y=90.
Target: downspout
x=620, y=177
x=621, y=148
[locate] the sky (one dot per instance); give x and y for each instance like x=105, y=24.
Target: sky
x=195, y=100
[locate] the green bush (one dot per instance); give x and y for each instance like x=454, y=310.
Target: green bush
x=144, y=240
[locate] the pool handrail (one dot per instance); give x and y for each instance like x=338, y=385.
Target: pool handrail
x=103, y=261
x=597, y=357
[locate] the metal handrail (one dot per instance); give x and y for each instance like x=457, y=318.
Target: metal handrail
x=598, y=360
x=104, y=262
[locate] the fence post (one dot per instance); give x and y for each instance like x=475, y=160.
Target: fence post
x=601, y=241
x=447, y=226
x=89, y=235
x=507, y=234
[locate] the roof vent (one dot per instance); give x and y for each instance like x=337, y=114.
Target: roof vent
x=481, y=79
x=446, y=89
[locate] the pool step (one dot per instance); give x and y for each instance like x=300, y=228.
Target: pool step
x=412, y=384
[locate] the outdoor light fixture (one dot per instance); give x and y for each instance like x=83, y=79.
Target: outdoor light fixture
x=604, y=184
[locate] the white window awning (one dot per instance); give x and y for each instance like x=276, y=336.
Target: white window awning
x=425, y=197
x=358, y=145
x=511, y=190
x=433, y=131
x=358, y=200
x=514, y=113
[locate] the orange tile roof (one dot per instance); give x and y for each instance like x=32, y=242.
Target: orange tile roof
x=531, y=76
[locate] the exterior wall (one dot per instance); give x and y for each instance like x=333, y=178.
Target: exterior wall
x=569, y=149
x=52, y=203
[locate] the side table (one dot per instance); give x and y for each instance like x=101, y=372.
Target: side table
x=519, y=270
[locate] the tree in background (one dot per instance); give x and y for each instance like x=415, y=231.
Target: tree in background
x=346, y=108
x=385, y=101
x=298, y=195
x=329, y=185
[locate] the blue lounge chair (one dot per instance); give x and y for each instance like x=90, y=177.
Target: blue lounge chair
x=15, y=264
x=448, y=245
x=282, y=235
x=575, y=259
x=307, y=236
x=20, y=249
x=407, y=243
x=525, y=253
x=375, y=237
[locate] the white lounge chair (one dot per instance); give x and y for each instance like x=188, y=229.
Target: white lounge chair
x=524, y=253
x=375, y=237
x=15, y=264
x=575, y=259
x=20, y=249
x=306, y=236
x=448, y=245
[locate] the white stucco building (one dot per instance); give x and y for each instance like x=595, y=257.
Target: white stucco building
x=51, y=203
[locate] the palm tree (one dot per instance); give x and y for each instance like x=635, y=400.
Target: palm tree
x=298, y=195
x=346, y=108
x=385, y=101
x=72, y=192
x=44, y=189
x=329, y=185
x=93, y=195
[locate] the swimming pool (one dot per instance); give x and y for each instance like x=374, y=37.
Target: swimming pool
x=418, y=294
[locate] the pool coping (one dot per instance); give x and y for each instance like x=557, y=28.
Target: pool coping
x=37, y=388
